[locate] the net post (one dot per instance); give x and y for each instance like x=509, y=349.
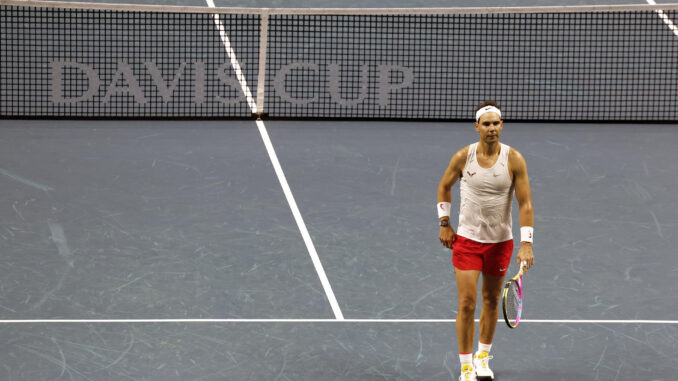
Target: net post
x=261, y=80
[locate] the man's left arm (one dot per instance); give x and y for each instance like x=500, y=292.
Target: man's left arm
x=522, y=188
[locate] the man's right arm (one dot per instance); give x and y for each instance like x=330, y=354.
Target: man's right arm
x=451, y=175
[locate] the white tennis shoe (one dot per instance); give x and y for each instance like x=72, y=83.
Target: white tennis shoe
x=480, y=363
x=467, y=373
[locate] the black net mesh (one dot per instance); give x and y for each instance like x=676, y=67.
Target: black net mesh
x=101, y=63
x=575, y=66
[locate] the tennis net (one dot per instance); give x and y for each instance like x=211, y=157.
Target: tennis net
x=596, y=63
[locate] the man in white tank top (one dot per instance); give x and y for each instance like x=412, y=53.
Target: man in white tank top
x=490, y=173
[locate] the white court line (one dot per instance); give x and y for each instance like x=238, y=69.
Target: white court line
x=278, y=170
x=234, y=61
x=300, y=222
x=665, y=18
x=388, y=321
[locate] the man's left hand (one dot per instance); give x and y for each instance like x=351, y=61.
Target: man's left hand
x=525, y=255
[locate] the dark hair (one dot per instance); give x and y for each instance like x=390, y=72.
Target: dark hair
x=486, y=103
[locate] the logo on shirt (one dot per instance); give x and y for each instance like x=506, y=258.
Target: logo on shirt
x=495, y=175
x=471, y=174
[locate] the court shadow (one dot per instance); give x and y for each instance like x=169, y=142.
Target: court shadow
x=539, y=374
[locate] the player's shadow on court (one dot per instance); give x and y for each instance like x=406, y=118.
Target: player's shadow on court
x=538, y=375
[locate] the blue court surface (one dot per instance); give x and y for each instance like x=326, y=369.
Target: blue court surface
x=308, y=250
x=165, y=221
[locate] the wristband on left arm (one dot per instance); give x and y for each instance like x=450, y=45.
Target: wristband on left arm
x=526, y=234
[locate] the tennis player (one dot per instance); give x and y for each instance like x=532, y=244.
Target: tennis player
x=490, y=173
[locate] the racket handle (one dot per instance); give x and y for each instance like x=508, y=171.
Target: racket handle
x=522, y=265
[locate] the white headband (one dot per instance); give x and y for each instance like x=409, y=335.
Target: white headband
x=486, y=109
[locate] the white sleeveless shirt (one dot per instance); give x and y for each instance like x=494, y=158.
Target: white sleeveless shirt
x=486, y=199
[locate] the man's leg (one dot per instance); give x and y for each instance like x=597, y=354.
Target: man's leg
x=467, y=289
x=490, y=292
x=496, y=261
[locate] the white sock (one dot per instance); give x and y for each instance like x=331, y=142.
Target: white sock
x=466, y=358
x=484, y=347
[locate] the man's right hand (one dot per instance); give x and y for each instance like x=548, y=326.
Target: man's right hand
x=447, y=236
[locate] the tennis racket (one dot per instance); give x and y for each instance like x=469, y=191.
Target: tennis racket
x=512, y=298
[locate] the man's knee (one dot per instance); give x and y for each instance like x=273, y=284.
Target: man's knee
x=490, y=299
x=467, y=304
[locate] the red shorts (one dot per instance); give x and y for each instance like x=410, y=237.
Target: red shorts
x=490, y=258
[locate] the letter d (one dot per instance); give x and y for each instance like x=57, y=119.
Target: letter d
x=57, y=82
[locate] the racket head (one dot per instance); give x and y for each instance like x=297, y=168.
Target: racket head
x=512, y=302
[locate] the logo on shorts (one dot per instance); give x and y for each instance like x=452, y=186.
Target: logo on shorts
x=503, y=269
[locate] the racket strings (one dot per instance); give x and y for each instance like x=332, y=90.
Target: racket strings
x=513, y=303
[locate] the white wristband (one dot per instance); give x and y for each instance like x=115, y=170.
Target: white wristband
x=526, y=234
x=444, y=209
